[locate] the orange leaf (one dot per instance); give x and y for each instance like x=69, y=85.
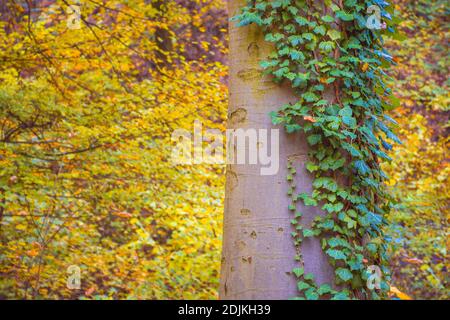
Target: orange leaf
x=309, y=118
x=413, y=260
x=89, y=291
x=123, y=214
x=32, y=252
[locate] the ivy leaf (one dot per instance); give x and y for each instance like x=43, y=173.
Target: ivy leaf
x=311, y=294
x=340, y=296
x=362, y=167
x=310, y=97
x=325, y=182
x=308, y=233
x=336, y=254
x=309, y=277
x=297, y=55
x=293, y=10
x=334, y=34
x=295, y=40
x=326, y=46
x=344, y=274
x=349, y=121
x=291, y=76
x=298, y=272
x=327, y=18
x=307, y=200
x=346, y=111
x=301, y=285
x=267, y=64
x=344, y=16
x=314, y=139
x=308, y=36
x=311, y=167
x=320, y=30
x=273, y=37
x=302, y=21
x=338, y=242
x=324, y=289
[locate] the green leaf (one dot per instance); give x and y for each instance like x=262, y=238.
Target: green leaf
x=326, y=46
x=324, y=289
x=349, y=121
x=307, y=200
x=334, y=34
x=308, y=233
x=301, y=285
x=328, y=19
x=336, y=254
x=298, y=272
x=314, y=139
x=346, y=111
x=320, y=30
x=309, y=277
x=302, y=21
x=340, y=296
x=311, y=167
x=344, y=274
x=311, y=294
x=310, y=97
x=344, y=16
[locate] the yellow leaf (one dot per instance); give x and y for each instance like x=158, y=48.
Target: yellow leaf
x=399, y=294
x=364, y=67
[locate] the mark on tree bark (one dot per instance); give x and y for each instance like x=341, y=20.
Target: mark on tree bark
x=249, y=74
x=247, y=259
x=232, y=179
x=253, y=49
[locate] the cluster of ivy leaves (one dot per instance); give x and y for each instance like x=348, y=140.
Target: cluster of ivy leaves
x=336, y=64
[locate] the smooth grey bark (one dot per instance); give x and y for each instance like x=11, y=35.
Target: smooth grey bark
x=258, y=250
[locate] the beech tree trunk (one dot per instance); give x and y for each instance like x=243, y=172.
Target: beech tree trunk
x=258, y=250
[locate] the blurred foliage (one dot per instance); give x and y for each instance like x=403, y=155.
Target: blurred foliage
x=86, y=117
x=420, y=170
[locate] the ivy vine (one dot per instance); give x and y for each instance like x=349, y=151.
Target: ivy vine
x=335, y=64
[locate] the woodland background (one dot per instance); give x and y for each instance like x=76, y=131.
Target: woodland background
x=86, y=117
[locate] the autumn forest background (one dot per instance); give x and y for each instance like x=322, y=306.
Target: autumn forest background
x=86, y=117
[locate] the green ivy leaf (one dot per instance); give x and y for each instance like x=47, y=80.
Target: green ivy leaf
x=298, y=272
x=327, y=19
x=314, y=139
x=311, y=294
x=324, y=289
x=336, y=254
x=344, y=274
x=301, y=286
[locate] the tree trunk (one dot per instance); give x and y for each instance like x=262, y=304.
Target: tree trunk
x=258, y=250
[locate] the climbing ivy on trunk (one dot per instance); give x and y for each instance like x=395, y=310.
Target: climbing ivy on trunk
x=335, y=61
